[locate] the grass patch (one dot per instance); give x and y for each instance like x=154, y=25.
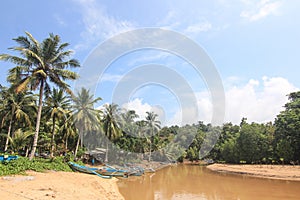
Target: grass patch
x=22, y=164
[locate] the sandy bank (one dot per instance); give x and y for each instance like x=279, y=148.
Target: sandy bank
x=58, y=185
x=286, y=172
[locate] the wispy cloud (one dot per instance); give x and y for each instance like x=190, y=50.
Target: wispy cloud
x=98, y=24
x=149, y=57
x=111, y=77
x=59, y=20
x=260, y=10
x=183, y=22
x=198, y=28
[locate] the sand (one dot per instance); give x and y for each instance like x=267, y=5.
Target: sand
x=283, y=172
x=58, y=185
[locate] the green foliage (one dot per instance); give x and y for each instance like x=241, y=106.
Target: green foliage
x=22, y=164
x=287, y=133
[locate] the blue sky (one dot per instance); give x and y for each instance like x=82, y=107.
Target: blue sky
x=254, y=45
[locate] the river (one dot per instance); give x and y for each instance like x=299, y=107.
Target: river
x=198, y=183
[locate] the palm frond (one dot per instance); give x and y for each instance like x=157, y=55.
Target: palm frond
x=32, y=39
x=23, y=84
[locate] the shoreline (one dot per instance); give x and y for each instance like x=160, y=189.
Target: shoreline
x=59, y=185
x=64, y=185
x=279, y=172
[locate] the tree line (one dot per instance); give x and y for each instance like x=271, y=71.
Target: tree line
x=40, y=113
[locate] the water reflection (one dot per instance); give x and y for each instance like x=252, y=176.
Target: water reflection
x=196, y=182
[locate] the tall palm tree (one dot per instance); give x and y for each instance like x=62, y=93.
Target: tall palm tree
x=153, y=126
x=85, y=116
x=38, y=65
x=57, y=106
x=110, y=124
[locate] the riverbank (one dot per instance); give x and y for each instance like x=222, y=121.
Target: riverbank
x=283, y=172
x=58, y=185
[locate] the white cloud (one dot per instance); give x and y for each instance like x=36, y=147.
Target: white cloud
x=257, y=100
x=139, y=107
x=261, y=9
x=98, y=24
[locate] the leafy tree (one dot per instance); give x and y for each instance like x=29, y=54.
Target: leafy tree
x=38, y=65
x=251, y=142
x=287, y=132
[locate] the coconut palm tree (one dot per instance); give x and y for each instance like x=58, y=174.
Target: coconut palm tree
x=68, y=129
x=17, y=107
x=85, y=116
x=127, y=121
x=20, y=140
x=57, y=107
x=110, y=123
x=153, y=126
x=38, y=65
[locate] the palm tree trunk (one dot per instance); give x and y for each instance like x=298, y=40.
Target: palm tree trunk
x=26, y=153
x=150, y=150
x=150, y=145
x=78, y=141
x=53, y=137
x=8, y=133
x=38, y=121
x=66, y=144
x=106, y=153
x=77, y=145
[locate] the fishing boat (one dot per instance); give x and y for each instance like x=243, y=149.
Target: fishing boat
x=87, y=170
x=4, y=158
x=134, y=170
x=113, y=171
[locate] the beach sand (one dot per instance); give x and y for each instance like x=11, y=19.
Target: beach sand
x=58, y=185
x=283, y=172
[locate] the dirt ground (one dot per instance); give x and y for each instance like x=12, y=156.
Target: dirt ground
x=284, y=172
x=58, y=185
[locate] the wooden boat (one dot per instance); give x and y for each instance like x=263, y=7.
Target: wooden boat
x=113, y=171
x=7, y=158
x=87, y=170
x=134, y=170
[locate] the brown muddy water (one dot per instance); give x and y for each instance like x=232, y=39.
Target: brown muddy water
x=198, y=183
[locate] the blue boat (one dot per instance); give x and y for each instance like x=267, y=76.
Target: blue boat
x=4, y=158
x=87, y=170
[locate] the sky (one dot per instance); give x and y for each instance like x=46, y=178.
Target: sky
x=253, y=44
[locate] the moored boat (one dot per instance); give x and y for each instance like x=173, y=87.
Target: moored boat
x=87, y=170
x=4, y=158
